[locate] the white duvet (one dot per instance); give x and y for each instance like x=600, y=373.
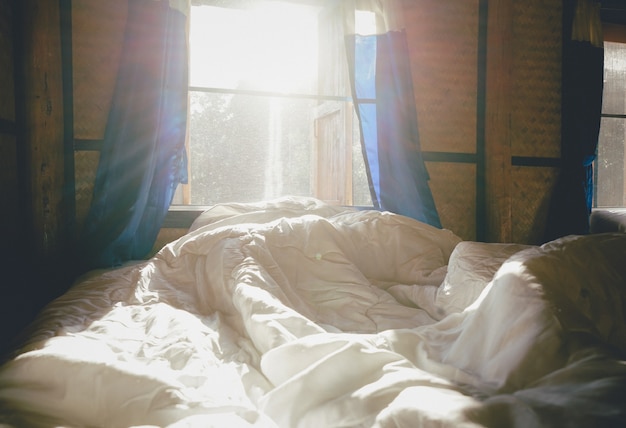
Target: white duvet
x=292, y=313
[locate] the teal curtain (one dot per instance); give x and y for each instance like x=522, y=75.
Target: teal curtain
x=583, y=81
x=382, y=89
x=142, y=160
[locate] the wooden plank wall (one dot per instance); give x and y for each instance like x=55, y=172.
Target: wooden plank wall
x=535, y=114
x=9, y=215
x=33, y=215
x=42, y=115
x=443, y=40
x=11, y=256
x=487, y=87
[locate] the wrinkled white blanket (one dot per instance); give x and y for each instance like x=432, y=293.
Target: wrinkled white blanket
x=292, y=313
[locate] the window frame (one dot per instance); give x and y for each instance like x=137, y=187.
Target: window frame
x=180, y=213
x=613, y=30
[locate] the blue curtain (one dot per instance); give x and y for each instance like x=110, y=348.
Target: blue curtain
x=583, y=81
x=382, y=90
x=143, y=154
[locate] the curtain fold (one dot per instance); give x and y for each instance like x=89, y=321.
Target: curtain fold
x=143, y=154
x=382, y=90
x=583, y=81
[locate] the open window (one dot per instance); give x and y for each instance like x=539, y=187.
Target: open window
x=270, y=109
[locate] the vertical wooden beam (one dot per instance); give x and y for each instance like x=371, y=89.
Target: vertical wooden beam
x=41, y=130
x=499, y=89
x=9, y=214
x=481, y=65
x=67, y=70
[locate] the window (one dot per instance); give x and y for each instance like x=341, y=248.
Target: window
x=270, y=110
x=610, y=165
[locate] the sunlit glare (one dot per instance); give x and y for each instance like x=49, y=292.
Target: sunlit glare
x=272, y=48
x=365, y=22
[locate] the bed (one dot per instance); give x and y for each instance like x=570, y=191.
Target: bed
x=295, y=313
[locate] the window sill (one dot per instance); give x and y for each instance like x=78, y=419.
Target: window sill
x=182, y=216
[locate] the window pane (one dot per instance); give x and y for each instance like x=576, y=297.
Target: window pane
x=257, y=48
x=360, y=188
x=614, y=94
x=245, y=148
x=610, y=164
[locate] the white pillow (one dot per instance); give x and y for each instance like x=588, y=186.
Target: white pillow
x=265, y=211
x=471, y=267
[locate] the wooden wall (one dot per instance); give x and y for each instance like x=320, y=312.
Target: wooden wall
x=9, y=214
x=528, y=125
x=444, y=44
x=34, y=215
x=487, y=88
x=9, y=176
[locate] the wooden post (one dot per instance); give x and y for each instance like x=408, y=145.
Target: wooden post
x=498, y=120
x=40, y=137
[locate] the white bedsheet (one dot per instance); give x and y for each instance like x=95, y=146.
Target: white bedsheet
x=292, y=313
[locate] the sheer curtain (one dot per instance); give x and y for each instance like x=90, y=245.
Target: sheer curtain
x=143, y=153
x=583, y=81
x=382, y=89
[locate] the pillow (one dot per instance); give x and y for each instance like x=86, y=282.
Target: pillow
x=471, y=267
x=583, y=277
x=265, y=211
x=603, y=220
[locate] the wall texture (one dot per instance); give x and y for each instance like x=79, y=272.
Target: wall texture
x=487, y=83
